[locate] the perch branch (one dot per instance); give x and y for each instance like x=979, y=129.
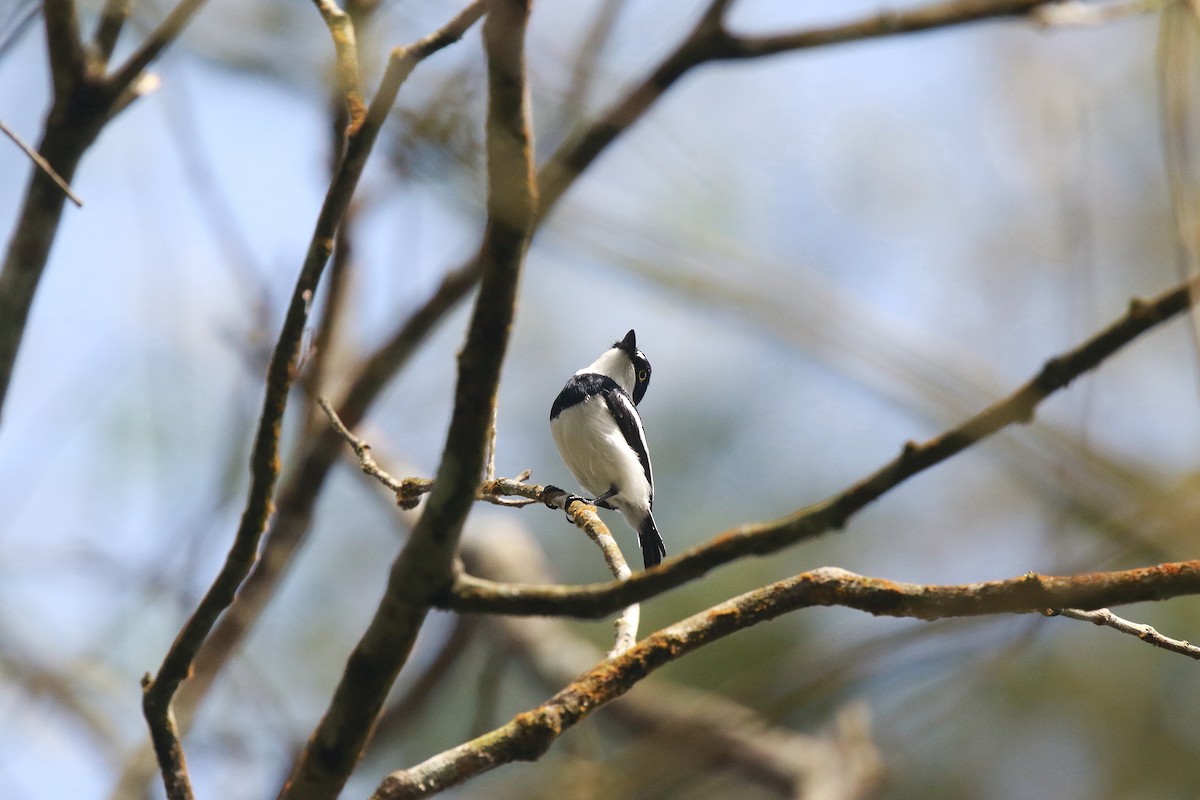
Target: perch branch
x=596, y=600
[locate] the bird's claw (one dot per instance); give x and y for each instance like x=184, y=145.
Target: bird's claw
x=570, y=498
x=553, y=495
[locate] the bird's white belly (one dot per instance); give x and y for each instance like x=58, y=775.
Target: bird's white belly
x=594, y=449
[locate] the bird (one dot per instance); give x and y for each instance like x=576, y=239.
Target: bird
x=599, y=434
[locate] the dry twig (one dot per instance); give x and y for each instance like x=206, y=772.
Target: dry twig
x=1102, y=616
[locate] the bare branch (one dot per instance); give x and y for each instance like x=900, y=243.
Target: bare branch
x=264, y=461
x=472, y=594
x=530, y=734
x=362, y=450
x=710, y=41
x=84, y=101
x=1102, y=616
x=298, y=494
x=424, y=564
x=625, y=626
x=885, y=23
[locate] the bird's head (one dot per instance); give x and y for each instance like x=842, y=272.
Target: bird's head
x=626, y=365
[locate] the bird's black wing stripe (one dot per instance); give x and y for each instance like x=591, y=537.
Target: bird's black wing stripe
x=626, y=415
x=578, y=389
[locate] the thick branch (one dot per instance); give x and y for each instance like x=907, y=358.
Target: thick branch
x=597, y=600
x=423, y=566
x=530, y=734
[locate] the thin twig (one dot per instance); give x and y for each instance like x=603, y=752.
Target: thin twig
x=1102, y=616
x=530, y=734
x=41, y=163
x=489, y=464
x=597, y=600
x=361, y=449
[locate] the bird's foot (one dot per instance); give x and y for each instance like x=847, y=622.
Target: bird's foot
x=554, y=495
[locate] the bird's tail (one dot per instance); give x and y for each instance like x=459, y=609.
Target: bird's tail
x=653, y=548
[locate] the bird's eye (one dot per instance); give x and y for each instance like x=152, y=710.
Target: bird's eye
x=643, y=375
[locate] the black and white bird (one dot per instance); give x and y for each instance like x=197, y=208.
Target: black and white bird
x=599, y=434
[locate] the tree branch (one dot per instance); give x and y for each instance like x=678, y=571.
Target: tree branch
x=884, y=23
x=424, y=564
x=530, y=734
x=264, y=460
x=711, y=41
x=596, y=600
x=84, y=101
x=299, y=492
x=1102, y=616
